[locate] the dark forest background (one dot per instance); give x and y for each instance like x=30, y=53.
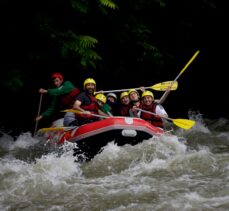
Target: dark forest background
x=121, y=44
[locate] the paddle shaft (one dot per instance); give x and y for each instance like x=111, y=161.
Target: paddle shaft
x=185, y=67
x=120, y=90
x=96, y=115
x=182, y=123
x=149, y=112
x=71, y=127
x=159, y=87
x=165, y=95
x=82, y=112
x=38, y=112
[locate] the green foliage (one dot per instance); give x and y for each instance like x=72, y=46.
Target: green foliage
x=108, y=3
x=161, y=3
x=150, y=52
x=87, y=41
x=81, y=46
x=81, y=6
x=72, y=43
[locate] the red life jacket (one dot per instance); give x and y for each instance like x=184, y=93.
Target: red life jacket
x=92, y=107
x=124, y=110
x=135, y=103
x=154, y=120
x=68, y=100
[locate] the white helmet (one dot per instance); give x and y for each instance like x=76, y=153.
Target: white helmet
x=112, y=95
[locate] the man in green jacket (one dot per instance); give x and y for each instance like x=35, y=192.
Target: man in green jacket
x=63, y=97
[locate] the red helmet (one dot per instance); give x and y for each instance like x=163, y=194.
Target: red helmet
x=57, y=75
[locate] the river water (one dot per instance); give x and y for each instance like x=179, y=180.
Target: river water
x=162, y=173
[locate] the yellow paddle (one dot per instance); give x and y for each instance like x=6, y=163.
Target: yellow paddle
x=182, y=123
x=163, y=86
x=55, y=129
x=188, y=63
x=159, y=87
x=69, y=128
x=168, y=89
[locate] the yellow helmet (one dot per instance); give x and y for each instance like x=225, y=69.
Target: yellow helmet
x=147, y=93
x=101, y=97
x=133, y=90
x=123, y=94
x=87, y=81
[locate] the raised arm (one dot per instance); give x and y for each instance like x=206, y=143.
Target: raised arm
x=64, y=89
x=164, y=96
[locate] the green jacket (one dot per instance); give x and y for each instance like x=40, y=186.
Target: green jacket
x=65, y=88
x=106, y=109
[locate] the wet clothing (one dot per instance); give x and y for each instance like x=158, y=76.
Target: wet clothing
x=114, y=107
x=138, y=105
x=106, y=109
x=123, y=110
x=88, y=103
x=63, y=97
x=153, y=119
x=70, y=119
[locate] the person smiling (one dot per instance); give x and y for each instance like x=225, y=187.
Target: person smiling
x=63, y=97
x=156, y=111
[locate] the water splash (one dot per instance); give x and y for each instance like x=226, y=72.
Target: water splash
x=201, y=125
x=161, y=172
x=23, y=141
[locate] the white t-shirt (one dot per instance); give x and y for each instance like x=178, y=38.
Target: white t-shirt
x=160, y=110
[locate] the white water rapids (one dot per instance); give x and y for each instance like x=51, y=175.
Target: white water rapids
x=158, y=174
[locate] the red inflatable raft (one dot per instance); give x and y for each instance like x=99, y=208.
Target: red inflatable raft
x=92, y=137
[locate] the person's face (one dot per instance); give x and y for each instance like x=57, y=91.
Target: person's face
x=100, y=103
x=111, y=99
x=90, y=87
x=57, y=82
x=147, y=100
x=134, y=96
x=125, y=100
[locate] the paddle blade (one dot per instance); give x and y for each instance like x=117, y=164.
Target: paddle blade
x=47, y=129
x=50, y=129
x=184, y=123
x=163, y=86
x=71, y=110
